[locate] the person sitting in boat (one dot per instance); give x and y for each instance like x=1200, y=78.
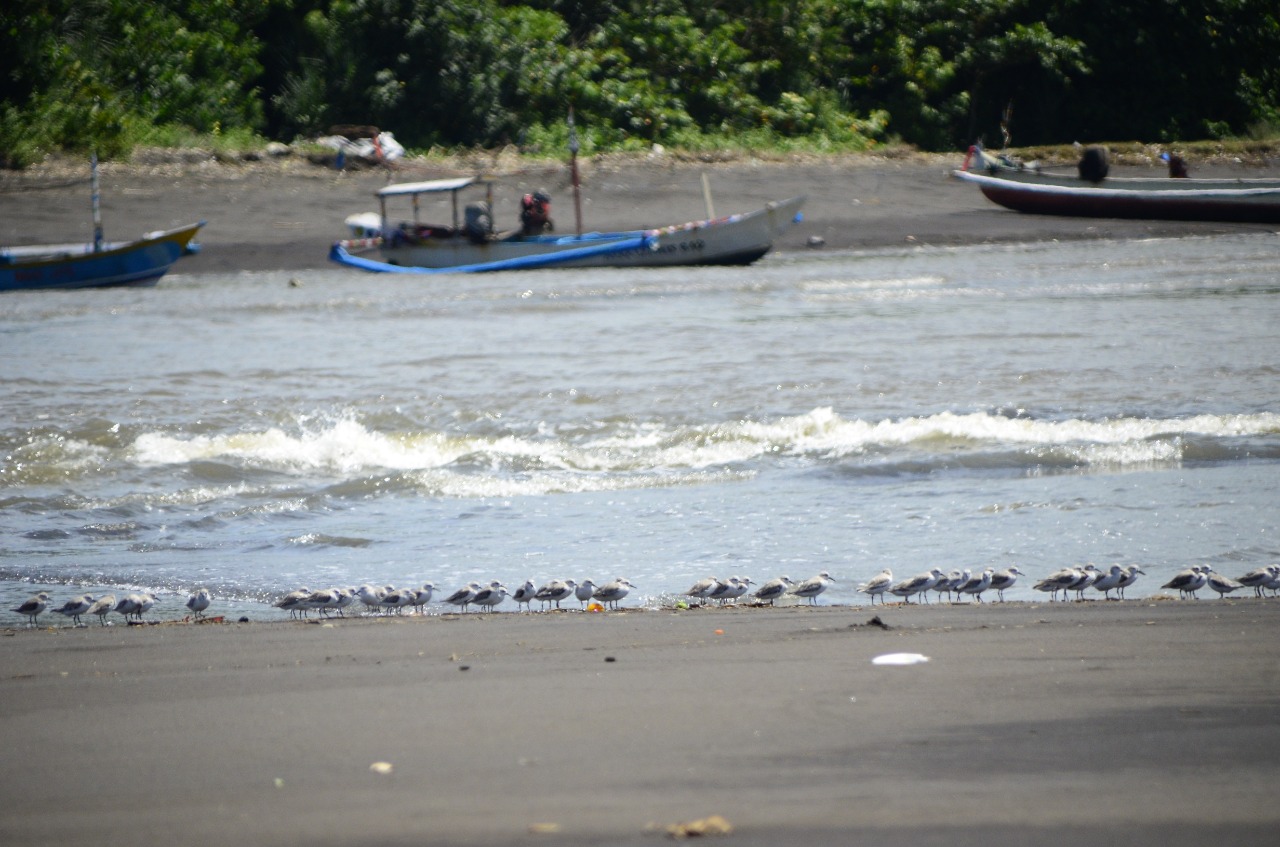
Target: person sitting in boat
x=535, y=214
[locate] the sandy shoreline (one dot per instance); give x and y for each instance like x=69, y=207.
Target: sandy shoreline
x=1146, y=722
x=284, y=215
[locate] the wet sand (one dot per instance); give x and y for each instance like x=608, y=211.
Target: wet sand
x=1141, y=722
x=284, y=215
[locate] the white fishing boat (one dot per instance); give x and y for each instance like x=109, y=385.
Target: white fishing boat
x=470, y=243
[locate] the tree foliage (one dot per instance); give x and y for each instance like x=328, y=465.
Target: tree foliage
x=821, y=73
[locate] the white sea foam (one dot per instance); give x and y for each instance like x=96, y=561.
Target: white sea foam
x=542, y=462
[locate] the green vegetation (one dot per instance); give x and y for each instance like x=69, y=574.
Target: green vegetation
x=807, y=75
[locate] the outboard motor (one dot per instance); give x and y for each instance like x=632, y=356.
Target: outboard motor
x=479, y=222
x=535, y=214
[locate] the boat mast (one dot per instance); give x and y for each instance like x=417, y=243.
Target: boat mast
x=97, y=213
x=573, y=170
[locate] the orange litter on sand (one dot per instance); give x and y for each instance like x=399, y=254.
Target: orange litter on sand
x=595, y=607
x=719, y=632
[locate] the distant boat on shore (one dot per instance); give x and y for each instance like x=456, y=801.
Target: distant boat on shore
x=1027, y=189
x=98, y=263
x=472, y=245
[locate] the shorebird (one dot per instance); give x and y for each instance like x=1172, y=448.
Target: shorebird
x=555, y=591
x=371, y=597
x=949, y=583
x=1273, y=584
x=1002, y=580
x=702, y=589
x=295, y=602
x=611, y=593
x=918, y=584
x=323, y=601
x=130, y=606
x=1258, y=578
x=33, y=606
x=737, y=587
x=1129, y=578
x=583, y=592
x=977, y=584
x=1109, y=580
x=102, y=607
x=1188, y=581
x=75, y=608
x=813, y=586
x=877, y=585
x=463, y=596
x=1060, y=580
x=491, y=596
x=198, y=602
x=773, y=589
x=524, y=594
x=1088, y=575
x=1224, y=585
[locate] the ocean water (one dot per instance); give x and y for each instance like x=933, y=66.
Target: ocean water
x=1038, y=405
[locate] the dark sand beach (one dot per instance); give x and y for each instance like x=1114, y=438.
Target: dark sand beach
x=1140, y=722
x=1146, y=722
x=284, y=214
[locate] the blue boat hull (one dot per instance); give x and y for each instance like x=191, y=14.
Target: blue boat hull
x=134, y=263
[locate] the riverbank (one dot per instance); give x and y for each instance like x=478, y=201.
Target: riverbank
x=1148, y=722
x=282, y=214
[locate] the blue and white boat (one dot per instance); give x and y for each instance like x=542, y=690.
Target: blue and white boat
x=469, y=243
x=98, y=263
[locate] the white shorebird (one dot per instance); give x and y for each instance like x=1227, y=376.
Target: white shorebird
x=464, y=595
x=555, y=591
x=324, y=601
x=918, y=584
x=584, y=592
x=295, y=602
x=1088, y=575
x=399, y=599
x=33, y=606
x=1273, y=584
x=611, y=593
x=773, y=589
x=813, y=586
x=523, y=595
x=702, y=589
x=977, y=584
x=75, y=608
x=1109, y=581
x=1003, y=580
x=1224, y=585
x=952, y=581
x=371, y=597
x=1258, y=578
x=1131, y=574
x=490, y=596
x=1188, y=581
x=198, y=602
x=422, y=596
x=1060, y=580
x=102, y=607
x=737, y=587
x=877, y=585
x=130, y=606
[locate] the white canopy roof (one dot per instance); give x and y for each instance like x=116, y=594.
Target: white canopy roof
x=429, y=187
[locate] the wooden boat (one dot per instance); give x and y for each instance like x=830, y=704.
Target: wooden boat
x=98, y=263
x=1155, y=198
x=137, y=263
x=472, y=245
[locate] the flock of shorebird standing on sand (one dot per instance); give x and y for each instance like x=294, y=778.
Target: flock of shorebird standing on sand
x=590, y=596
